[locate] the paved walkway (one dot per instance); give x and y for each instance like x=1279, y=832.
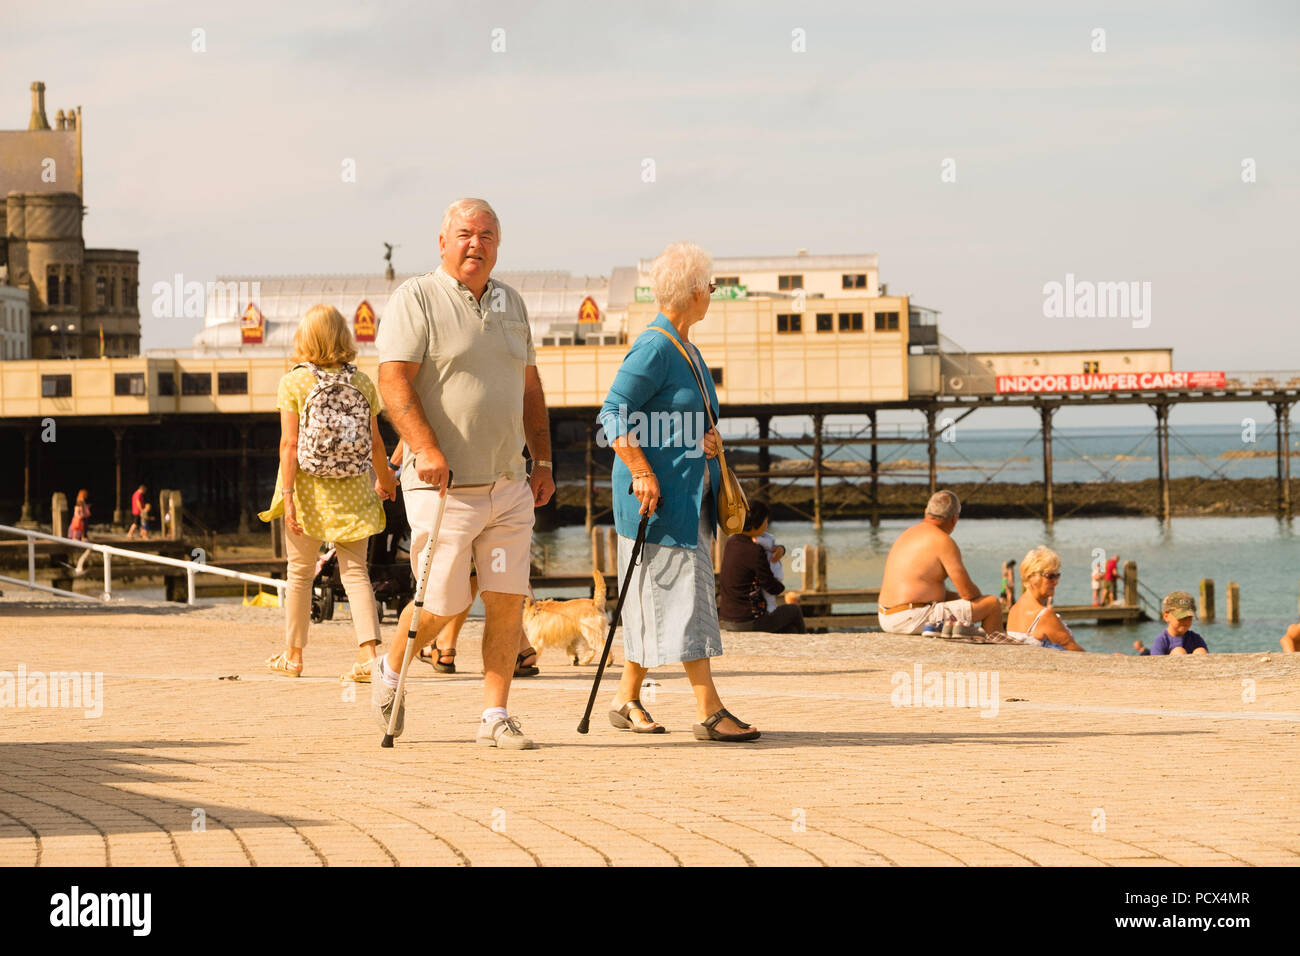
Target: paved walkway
x=1087, y=760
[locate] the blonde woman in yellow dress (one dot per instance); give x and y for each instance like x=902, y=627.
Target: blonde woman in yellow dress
x=329, y=485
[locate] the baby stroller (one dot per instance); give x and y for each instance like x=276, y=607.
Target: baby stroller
x=388, y=563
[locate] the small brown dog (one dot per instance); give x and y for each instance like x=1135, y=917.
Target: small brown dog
x=579, y=626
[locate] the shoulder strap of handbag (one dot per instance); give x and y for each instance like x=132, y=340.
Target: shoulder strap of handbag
x=708, y=407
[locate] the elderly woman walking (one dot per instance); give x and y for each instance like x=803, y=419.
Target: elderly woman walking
x=654, y=417
x=329, y=414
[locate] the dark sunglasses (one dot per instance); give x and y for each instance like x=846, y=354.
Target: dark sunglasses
x=1054, y=576
x=713, y=287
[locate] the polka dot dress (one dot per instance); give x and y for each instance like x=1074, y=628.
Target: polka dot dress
x=331, y=509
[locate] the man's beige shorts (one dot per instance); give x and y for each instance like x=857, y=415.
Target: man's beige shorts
x=911, y=621
x=493, y=524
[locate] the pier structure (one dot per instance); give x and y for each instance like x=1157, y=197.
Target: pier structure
x=814, y=338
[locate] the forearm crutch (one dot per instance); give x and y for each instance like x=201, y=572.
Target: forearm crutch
x=414, y=626
x=585, y=724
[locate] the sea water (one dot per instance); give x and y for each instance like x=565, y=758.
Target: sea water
x=1258, y=553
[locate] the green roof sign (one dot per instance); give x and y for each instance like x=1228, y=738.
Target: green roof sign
x=645, y=294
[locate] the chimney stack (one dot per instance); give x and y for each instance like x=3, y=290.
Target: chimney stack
x=38, y=120
x=60, y=122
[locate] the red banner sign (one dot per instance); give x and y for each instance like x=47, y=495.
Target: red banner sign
x=1111, y=382
x=251, y=325
x=363, y=323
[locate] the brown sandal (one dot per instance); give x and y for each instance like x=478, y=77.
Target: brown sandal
x=435, y=657
x=532, y=670
x=708, y=730
x=622, y=719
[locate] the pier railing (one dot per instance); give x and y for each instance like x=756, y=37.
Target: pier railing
x=191, y=568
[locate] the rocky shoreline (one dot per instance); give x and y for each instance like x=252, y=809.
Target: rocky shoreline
x=1189, y=497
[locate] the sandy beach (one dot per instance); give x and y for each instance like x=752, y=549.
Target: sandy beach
x=202, y=757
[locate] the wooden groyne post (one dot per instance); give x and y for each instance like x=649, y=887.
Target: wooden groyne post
x=1130, y=582
x=1206, y=609
x=1234, y=603
x=1049, y=507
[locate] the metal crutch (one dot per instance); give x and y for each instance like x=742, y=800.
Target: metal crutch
x=414, y=626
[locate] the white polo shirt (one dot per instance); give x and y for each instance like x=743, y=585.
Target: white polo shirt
x=471, y=379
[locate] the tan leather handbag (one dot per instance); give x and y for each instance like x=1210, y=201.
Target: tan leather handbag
x=733, y=506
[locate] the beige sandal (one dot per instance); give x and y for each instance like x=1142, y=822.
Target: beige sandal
x=359, y=673
x=282, y=665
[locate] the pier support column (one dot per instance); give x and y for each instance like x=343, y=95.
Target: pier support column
x=1049, y=503
x=764, y=453
x=591, y=479
x=244, y=494
x=929, y=438
x=817, y=470
x=26, y=519
x=875, y=476
x=118, y=516
x=1283, y=412
x=1162, y=457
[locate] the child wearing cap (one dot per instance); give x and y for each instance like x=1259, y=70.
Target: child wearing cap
x=1178, y=609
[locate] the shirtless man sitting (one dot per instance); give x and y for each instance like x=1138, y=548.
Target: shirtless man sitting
x=912, y=593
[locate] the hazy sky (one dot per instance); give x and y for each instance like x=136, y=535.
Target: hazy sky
x=1116, y=165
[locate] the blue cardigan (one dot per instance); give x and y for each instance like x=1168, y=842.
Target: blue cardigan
x=656, y=399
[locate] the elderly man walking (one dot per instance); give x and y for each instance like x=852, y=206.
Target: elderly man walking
x=921, y=560
x=458, y=375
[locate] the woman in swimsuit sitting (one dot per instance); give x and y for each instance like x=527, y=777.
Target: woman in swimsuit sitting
x=1032, y=616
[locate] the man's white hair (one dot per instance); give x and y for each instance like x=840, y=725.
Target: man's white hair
x=943, y=505
x=464, y=208
x=681, y=270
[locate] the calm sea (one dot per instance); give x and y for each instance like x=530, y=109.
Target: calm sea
x=1257, y=553
x=1117, y=453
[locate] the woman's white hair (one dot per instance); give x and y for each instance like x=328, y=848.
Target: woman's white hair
x=1041, y=559
x=463, y=208
x=681, y=270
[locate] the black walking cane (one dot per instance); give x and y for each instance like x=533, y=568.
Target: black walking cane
x=585, y=724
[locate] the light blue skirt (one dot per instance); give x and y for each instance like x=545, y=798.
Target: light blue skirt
x=671, y=610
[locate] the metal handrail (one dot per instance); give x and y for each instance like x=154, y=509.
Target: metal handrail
x=191, y=568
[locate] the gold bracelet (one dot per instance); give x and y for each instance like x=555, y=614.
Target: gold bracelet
x=643, y=474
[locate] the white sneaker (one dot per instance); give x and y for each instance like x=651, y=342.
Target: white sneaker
x=504, y=732
x=381, y=704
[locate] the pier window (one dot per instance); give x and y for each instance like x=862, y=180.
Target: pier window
x=166, y=383
x=886, y=321
x=825, y=321
x=196, y=383
x=727, y=280
x=128, y=383
x=101, y=292
x=56, y=386
x=128, y=299
x=851, y=321
x=232, y=383
x=1091, y=368
x=68, y=286
x=789, y=322
x=789, y=283
x=52, y=285
x=857, y=280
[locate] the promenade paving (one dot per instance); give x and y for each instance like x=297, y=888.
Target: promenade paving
x=202, y=757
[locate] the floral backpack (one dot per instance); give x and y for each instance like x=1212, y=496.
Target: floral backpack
x=334, y=426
